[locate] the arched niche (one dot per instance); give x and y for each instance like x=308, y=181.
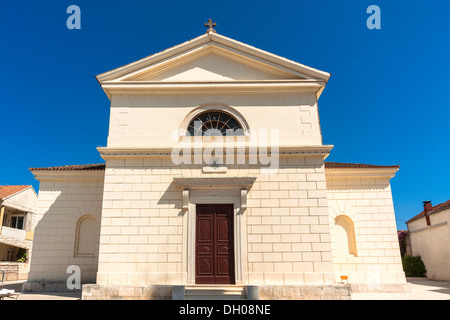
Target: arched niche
x=86, y=236
x=344, y=233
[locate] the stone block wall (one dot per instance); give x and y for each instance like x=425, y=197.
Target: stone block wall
x=305, y=292
x=287, y=225
x=285, y=236
x=62, y=202
x=14, y=270
x=126, y=292
x=166, y=292
x=368, y=203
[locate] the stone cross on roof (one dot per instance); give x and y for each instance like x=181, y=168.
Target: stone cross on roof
x=210, y=24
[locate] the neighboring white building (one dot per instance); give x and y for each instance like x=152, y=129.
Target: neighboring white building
x=272, y=215
x=429, y=234
x=18, y=205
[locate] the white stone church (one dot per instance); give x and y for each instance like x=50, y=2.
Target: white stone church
x=215, y=183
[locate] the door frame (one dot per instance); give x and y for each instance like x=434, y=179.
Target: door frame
x=218, y=196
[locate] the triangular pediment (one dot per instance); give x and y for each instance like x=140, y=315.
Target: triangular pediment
x=210, y=58
x=211, y=66
x=211, y=63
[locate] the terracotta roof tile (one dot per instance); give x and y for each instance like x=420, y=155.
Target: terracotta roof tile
x=77, y=167
x=341, y=165
x=101, y=166
x=6, y=191
x=439, y=207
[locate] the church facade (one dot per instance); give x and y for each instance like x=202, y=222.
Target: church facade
x=215, y=175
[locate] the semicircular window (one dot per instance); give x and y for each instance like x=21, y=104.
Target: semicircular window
x=215, y=123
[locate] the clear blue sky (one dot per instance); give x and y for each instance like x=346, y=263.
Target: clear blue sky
x=387, y=101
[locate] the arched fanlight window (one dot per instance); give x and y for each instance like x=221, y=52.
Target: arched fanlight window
x=215, y=123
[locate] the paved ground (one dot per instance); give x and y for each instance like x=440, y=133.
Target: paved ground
x=17, y=287
x=421, y=289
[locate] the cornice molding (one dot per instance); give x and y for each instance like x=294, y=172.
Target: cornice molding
x=107, y=152
x=360, y=172
x=228, y=87
x=214, y=182
x=41, y=175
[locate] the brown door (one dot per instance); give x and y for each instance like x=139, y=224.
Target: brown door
x=214, y=260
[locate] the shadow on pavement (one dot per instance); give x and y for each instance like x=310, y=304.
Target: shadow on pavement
x=17, y=287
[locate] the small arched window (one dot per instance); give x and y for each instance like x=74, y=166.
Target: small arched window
x=215, y=123
x=86, y=236
x=344, y=236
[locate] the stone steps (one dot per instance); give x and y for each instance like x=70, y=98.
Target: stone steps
x=214, y=292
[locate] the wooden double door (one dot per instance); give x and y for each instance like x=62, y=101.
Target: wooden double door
x=214, y=251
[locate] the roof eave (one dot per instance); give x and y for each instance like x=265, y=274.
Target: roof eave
x=108, y=75
x=361, y=172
